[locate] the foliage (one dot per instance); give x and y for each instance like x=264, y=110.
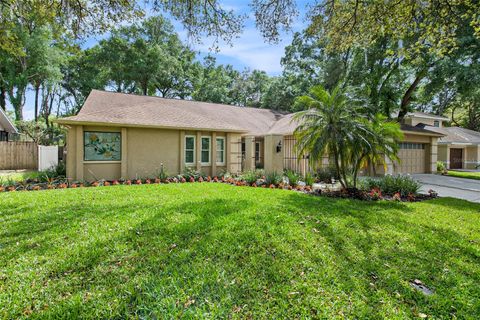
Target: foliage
x=392, y=184
x=309, y=179
x=334, y=125
x=440, y=166
x=293, y=177
x=252, y=176
x=162, y=173
x=273, y=178
x=137, y=248
x=190, y=172
x=422, y=25
x=325, y=174
x=41, y=134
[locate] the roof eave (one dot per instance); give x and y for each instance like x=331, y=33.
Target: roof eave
x=132, y=125
x=12, y=126
x=430, y=134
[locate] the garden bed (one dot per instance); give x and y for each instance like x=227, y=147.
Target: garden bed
x=371, y=194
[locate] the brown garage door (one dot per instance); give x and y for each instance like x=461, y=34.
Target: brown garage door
x=412, y=158
x=456, y=158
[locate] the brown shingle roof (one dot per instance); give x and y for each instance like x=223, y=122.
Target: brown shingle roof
x=134, y=110
x=456, y=135
x=112, y=108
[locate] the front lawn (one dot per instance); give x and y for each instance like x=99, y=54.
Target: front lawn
x=216, y=251
x=464, y=174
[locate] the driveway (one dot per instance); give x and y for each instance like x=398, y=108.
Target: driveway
x=466, y=189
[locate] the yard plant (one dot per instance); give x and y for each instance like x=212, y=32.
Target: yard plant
x=335, y=125
x=213, y=250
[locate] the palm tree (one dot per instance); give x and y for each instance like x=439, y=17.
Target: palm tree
x=331, y=124
x=382, y=142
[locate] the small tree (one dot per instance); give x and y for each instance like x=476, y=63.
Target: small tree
x=334, y=125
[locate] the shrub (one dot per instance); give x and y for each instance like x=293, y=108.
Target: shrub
x=309, y=179
x=292, y=177
x=251, y=176
x=162, y=174
x=390, y=185
x=273, y=178
x=325, y=174
x=54, y=172
x=189, y=173
x=440, y=166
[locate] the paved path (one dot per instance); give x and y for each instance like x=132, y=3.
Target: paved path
x=467, y=189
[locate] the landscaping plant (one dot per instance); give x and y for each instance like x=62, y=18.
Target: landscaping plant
x=333, y=124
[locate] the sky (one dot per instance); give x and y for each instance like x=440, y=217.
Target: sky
x=249, y=50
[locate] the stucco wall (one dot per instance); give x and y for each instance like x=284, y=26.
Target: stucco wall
x=144, y=150
x=471, y=158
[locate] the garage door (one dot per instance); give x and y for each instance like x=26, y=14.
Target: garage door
x=412, y=158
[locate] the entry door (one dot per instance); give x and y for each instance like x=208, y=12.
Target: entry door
x=456, y=158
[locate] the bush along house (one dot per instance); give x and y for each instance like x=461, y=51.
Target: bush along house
x=117, y=135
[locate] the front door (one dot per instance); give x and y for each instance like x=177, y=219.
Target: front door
x=456, y=158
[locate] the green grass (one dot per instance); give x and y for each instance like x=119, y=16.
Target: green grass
x=463, y=174
x=18, y=176
x=218, y=251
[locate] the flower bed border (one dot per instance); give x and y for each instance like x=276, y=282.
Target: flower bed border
x=373, y=195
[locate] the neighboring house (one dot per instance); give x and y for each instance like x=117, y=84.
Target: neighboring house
x=459, y=148
x=7, y=129
x=118, y=135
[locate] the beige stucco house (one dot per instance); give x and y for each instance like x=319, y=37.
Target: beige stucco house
x=458, y=148
x=118, y=135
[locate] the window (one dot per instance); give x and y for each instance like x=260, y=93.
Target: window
x=413, y=146
x=189, y=149
x=220, y=151
x=102, y=146
x=205, y=150
x=436, y=123
x=257, y=151
x=3, y=136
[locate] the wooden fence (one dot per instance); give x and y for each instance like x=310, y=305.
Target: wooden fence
x=15, y=155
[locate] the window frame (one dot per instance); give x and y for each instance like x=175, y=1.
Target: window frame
x=436, y=123
x=209, y=150
x=193, y=150
x=222, y=163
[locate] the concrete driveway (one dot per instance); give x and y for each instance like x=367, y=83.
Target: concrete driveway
x=466, y=189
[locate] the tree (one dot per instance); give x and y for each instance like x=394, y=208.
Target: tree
x=215, y=83
x=420, y=33
x=333, y=125
x=249, y=88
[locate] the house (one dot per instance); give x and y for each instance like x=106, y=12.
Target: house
x=117, y=135
x=7, y=129
x=459, y=148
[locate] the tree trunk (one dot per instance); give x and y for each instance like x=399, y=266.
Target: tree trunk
x=408, y=94
x=37, y=90
x=3, y=98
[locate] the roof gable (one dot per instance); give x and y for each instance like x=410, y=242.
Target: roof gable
x=6, y=123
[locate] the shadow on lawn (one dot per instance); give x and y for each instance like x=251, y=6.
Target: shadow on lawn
x=436, y=255
x=220, y=252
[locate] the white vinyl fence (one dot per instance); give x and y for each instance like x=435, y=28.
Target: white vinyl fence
x=47, y=157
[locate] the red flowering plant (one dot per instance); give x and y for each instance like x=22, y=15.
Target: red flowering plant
x=375, y=194
x=411, y=197
x=397, y=197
